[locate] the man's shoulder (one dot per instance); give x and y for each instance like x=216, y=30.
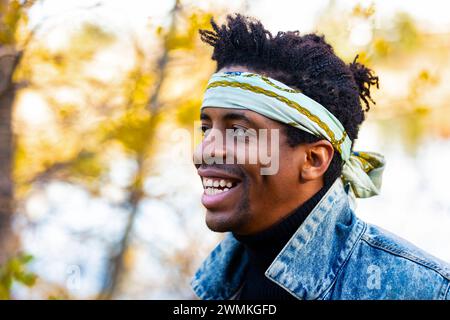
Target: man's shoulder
x=390, y=267
x=401, y=249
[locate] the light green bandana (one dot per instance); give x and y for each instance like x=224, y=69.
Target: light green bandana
x=362, y=171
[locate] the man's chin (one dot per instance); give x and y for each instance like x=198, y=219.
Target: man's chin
x=219, y=221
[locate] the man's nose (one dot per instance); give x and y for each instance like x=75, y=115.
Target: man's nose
x=212, y=148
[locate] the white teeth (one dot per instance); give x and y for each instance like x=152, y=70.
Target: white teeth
x=213, y=191
x=211, y=185
x=207, y=182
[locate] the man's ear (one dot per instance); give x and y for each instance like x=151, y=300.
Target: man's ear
x=318, y=156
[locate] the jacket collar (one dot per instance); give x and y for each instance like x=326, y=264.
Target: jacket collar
x=308, y=264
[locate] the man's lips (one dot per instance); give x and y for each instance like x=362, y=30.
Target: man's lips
x=216, y=173
x=219, y=187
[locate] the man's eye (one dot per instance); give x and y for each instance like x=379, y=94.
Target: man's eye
x=239, y=131
x=204, y=129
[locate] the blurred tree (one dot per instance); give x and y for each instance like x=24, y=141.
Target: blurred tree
x=27, y=156
x=14, y=270
x=150, y=99
x=13, y=18
x=95, y=118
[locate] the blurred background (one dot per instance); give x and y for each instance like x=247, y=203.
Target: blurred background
x=98, y=195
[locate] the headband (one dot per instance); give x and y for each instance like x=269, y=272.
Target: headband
x=274, y=100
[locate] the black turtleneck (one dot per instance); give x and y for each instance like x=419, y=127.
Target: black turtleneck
x=263, y=247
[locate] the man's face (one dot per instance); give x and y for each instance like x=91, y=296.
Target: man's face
x=237, y=196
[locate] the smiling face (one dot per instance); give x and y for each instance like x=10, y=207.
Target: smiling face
x=237, y=196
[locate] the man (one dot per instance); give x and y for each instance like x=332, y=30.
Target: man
x=292, y=233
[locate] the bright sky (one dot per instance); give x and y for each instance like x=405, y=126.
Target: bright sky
x=294, y=14
x=133, y=16
x=279, y=15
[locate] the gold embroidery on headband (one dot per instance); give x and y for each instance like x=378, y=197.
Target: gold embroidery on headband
x=245, y=86
x=263, y=78
x=366, y=165
x=270, y=83
x=368, y=162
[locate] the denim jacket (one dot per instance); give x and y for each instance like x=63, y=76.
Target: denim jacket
x=332, y=255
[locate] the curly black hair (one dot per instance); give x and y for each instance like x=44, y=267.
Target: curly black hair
x=304, y=62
